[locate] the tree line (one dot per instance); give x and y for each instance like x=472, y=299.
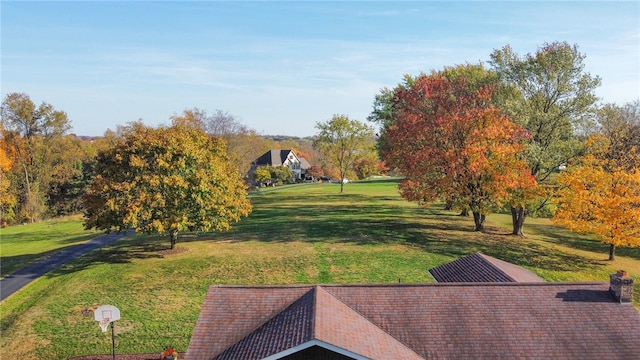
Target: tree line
x=44, y=170
x=189, y=175
x=524, y=133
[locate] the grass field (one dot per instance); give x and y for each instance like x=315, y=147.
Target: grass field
x=301, y=234
x=24, y=244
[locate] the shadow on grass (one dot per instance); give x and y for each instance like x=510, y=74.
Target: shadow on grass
x=345, y=218
x=362, y=219
x=123, y=251
x=79, y=238
x=561, y=236
x=10, y=264
x=515, y=250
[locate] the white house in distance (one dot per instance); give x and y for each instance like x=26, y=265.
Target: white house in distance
x=276, y=157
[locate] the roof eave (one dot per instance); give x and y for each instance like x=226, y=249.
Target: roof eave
x=315, y=342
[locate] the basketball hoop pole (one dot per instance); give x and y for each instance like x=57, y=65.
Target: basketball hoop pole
x=104, y=315
x=113, y=342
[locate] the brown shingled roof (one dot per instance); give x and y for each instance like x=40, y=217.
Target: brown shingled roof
x=482, y=268
x=404, y=321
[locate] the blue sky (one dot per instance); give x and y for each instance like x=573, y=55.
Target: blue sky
x=280, y=67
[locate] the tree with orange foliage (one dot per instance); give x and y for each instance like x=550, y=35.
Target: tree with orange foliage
x=315, y=172
x=449, y=142
x=7, y=199
x=601, y=195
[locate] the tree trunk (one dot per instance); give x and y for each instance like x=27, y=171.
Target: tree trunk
x=448, y=205
x=174, y=238
x=517, y=219
x=464, y=212
x=28, y=200
x=479, y=220
x=612, y=252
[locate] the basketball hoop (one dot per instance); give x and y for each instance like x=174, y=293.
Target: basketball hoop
x=105, y=315
x=104, y=324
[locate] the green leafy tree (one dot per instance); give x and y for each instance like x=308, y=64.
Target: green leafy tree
x=342, y=142
x=555, y=100
x=281, y=174
x=31, y=133
x=68, y=181
x=262, y=175
x=620, y=125
x=367, y=166
x=165, y=181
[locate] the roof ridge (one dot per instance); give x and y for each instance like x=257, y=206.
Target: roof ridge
x=513, y=271
x=486, y=259
x=402, y=285
x=314, y=307
x=326, y=291
x=277, y=313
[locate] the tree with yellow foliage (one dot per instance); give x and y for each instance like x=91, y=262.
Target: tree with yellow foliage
x=164, y=181
x=601, y=196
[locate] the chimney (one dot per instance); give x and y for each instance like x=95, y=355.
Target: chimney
x=621, y=286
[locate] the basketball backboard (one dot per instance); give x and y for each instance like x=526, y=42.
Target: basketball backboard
x=105, y=315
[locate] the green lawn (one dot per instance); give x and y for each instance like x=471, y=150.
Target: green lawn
x=300, y=234
x=23, y=244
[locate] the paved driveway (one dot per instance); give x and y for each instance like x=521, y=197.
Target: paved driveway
x=17, y=280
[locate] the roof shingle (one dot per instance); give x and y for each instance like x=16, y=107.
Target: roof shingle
x=482, y=268
x=441, y=321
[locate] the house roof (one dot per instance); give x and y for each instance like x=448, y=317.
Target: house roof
x=273, y=157
x=482, y=268
x=317, y=315
x=304, y=164
x=418, y=321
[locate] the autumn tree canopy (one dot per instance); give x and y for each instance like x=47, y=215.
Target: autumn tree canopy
x=281, y=174
x=343, y=141
x=601, y=196
x=550, y=95
x=600, y=193
x=315, y=172
x=31, y=137
x=450, y=142
x=165, y=180
x=7, y=198
x=262, y=175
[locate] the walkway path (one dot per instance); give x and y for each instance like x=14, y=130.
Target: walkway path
x=17, y=280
